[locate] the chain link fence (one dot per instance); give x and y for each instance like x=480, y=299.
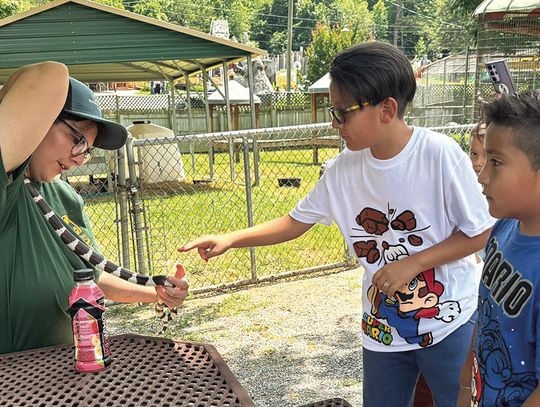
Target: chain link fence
x=445, y=91
x=155, y=195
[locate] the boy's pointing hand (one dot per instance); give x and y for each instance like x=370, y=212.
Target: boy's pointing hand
x=208, y=246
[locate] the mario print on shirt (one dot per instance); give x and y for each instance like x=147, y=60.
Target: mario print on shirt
x=494, y=376
x=421, y=298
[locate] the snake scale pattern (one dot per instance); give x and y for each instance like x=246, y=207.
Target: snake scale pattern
x=97, y=260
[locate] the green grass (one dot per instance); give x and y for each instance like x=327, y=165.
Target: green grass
x=181, y=211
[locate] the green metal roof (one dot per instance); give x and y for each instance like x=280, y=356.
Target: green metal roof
x=102, y=43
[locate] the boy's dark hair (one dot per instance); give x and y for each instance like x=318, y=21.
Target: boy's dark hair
x=372, y=72
x=521, y=113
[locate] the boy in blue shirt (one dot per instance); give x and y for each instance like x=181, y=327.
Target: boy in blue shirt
x=503, y=366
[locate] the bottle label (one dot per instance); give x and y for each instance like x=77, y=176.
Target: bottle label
x=92, y=351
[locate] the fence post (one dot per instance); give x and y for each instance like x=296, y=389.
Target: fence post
x=227, y=98
x=465, y=82
x=117, y=102
x=123, y=197
x=314, y=132
x=192, y=155
x=273, y=111
x=138, y=228
x=231, y=159
x=211, y=160
x=249, y=201
x=188, y=100
x=253, y=119
x=206, y=104
x=172, y=106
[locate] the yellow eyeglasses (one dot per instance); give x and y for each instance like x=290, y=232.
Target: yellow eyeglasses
x=339, y=114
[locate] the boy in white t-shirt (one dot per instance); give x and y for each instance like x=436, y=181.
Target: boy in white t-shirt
x=409, y=206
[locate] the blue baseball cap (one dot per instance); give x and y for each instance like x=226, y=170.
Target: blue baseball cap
x=81, y=102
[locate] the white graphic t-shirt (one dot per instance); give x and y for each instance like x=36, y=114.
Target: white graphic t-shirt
x=390, y=209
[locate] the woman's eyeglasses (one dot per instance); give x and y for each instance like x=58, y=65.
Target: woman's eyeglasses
x=339, y=114
x=80, y=145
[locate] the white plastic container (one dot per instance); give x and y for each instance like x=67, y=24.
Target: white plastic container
x=160, y=162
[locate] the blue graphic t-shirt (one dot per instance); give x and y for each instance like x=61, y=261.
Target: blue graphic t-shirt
x=506, y=363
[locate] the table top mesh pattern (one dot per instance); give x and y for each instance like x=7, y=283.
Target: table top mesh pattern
x=145, y=372
x=329, y=403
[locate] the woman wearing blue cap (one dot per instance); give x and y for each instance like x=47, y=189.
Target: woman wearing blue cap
x=50, y=123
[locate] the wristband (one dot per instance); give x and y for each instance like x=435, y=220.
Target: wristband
x=461, y=387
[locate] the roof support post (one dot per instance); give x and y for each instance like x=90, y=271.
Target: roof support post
x=205, y=97
x=172, y=106
x=188, y=100
x=188, y=97
x=253, y=120
x=224, y=94
x=227, y=100
x=251, y=92
x=289, y=42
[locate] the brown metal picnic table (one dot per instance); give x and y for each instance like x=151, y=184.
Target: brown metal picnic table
x=146, y=371
x=337, y=402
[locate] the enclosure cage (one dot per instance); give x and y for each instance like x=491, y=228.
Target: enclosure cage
x=444, y=91
x=511, y=31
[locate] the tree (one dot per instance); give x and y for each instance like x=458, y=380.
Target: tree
x=380, y=20
x=113, y=3
x=240, y=15
x=462, y=11
x=11, y=7
x=153, y=8
x=420, y=49
x=308, y=14
x=354, y=15
x=327, y=42
x=278, y=43
x=198, y=15
x=271, y=19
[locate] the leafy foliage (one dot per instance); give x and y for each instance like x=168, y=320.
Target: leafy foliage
x=10, y=7
x=357, y=26
x=326, y=43
x=153, y=8
x=380, y=20
x=113, y=3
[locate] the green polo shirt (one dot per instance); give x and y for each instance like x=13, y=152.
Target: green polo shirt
x=36, y=267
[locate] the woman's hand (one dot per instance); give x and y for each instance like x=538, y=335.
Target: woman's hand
x=174, y=296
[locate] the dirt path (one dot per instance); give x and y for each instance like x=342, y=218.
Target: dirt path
x=288, y=343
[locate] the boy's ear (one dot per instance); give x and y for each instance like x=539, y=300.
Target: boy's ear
x=389, y=110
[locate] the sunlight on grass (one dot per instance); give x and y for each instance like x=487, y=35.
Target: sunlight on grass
x=176, y=213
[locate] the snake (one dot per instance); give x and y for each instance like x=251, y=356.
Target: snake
x=96, y=259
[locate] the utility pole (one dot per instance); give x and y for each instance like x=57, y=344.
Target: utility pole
x=289, y=43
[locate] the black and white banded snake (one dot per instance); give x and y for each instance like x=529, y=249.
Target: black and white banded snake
x=85, y=252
